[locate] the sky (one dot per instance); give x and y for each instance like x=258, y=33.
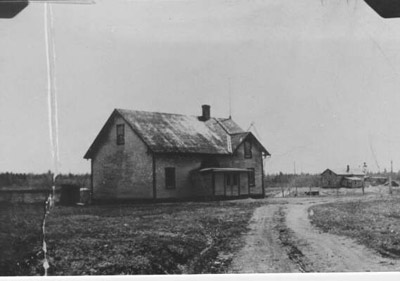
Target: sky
x=318, y=79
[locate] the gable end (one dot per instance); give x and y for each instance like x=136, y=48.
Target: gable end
x=98, y=140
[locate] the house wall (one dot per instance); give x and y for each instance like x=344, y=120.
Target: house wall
x=352, y=183
x=238, y=161
x=330, y=179
x=122, y=171
x=188, y=185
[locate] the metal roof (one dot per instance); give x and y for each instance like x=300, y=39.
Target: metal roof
x=230, y=126
x=164, y=132
x=177, y=133
x=343, y=172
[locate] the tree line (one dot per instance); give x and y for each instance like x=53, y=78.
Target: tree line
x=9, y=179
x=292, y=180
x=312, y=180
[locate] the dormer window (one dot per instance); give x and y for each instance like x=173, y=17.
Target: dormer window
x=247, y=149
x=120, y=134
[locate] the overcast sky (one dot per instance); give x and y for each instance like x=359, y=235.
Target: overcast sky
x=319, y=79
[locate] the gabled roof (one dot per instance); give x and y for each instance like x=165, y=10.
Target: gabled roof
x=230, y=126
x=343, y=172
x=237, y=139
x=176, y=133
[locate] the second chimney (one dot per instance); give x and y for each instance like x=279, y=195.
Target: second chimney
x=348, y=169
x=206, y=112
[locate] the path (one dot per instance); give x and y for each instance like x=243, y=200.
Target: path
x=282, y=239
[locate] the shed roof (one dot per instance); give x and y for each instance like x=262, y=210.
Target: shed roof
x=177, y=133
x=353, y=178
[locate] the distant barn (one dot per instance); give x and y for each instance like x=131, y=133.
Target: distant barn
x=332, y=178
x=153, y=155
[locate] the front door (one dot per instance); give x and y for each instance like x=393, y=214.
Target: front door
x=232, y=184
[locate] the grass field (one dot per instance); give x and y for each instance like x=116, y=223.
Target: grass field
x=372, y=222
x=20, y=238
x=169, y=238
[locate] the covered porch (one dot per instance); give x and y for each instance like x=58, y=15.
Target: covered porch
x=352, y=182
x=227, y=182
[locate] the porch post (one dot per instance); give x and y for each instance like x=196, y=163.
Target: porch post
x=239, y=184
x=225, y=175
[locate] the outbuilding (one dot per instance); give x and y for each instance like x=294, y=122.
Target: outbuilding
x=335, y=178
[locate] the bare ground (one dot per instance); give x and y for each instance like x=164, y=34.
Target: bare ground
x=262, y=251
x=282, y=239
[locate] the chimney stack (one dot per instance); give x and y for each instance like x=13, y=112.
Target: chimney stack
x=205, y=112
x=348, y=169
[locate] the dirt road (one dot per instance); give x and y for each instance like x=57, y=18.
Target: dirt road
x=282, y=239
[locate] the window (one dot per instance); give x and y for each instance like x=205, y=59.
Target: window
x=231, y=179
x=120, y=134
x=235, y=179
x=251, y=177
x=247, y=149
x=228, y=179
x=170, y=178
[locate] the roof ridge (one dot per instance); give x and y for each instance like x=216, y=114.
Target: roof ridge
x=222, y=126
x=146, y=111
x=168, y=113
x=343, y=171
x=224, y=118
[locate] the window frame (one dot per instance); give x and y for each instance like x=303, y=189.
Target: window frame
x=235, y=179
x=251, y=177
x=120, y=132
x=170, y=183
x=247, y=147
x=227, y=179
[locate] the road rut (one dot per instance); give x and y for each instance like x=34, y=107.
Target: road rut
x=282, y=239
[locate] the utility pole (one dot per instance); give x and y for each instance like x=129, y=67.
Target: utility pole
x=294, y=170
x=230, y=98
x=390, y=177
x=365, y=173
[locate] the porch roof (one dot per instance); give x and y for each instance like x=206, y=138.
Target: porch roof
x=222, y=170
x=353, y=178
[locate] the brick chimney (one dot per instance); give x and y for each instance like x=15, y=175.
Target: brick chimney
x=205, y=112
x=348, y=169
